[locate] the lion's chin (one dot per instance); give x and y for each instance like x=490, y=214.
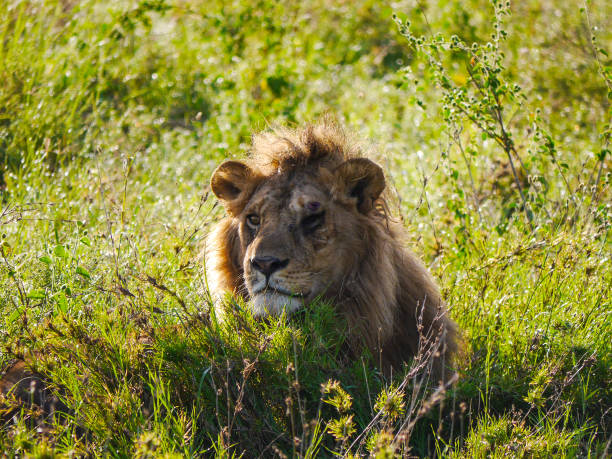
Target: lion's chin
x=272, y=303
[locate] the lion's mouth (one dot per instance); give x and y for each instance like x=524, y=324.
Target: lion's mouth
x=279, y=291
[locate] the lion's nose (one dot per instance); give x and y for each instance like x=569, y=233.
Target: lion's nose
x=268, y=265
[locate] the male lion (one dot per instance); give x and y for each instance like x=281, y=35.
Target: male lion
x=306, y=219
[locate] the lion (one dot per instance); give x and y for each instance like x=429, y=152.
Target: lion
x=307, y=220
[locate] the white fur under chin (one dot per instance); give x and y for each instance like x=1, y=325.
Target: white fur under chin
x=274, y=304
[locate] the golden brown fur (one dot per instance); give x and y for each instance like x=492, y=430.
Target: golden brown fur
x=306, y=220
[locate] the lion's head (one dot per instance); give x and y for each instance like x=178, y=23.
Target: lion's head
x=306, y=219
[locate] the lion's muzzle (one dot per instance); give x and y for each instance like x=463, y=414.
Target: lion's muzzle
x=268, y=293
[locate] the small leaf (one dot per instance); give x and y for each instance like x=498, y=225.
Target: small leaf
x=37, y=294
x=46, y=260
x=15, y=315
x=83, y=272
x=85, y=240
x=62, y=303
x=61, y=251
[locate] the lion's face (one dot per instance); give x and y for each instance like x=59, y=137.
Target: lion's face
x=300, y=231
x=289, y=235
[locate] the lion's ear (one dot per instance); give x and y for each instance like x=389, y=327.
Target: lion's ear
x=232, y=183
x=361, y=179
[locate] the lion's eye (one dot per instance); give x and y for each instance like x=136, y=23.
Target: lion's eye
x=252, y=220
x=312, y=222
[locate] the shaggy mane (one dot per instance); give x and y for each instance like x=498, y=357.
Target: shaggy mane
x=324, y=144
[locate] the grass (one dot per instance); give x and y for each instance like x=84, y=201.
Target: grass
x=114, y=114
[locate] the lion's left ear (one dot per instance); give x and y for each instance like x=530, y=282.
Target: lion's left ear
x=362, y=180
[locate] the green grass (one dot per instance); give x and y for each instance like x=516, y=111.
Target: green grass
x=113, y=116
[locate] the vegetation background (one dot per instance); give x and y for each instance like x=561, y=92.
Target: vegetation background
x=493, y=124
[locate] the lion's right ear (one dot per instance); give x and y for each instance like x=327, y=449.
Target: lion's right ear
x=232, y=182
x=361, y=181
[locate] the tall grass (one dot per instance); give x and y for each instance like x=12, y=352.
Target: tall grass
x=112, y=117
